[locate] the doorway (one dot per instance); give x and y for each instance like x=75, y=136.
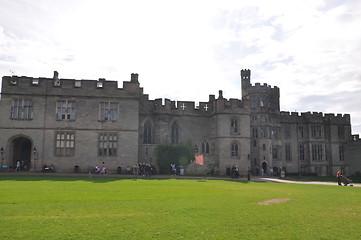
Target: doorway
x=21, y=153
x=264, y=167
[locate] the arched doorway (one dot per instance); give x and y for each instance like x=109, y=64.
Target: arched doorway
x=21, y=152
x=264, y=167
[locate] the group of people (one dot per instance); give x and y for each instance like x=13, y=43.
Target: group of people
x=234, y=171
x=342, y=178
x=20, y=165
x=102, y=170
x=176, y=169
x=144, y=169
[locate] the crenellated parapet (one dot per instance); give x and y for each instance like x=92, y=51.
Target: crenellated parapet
x=167, y=106
x=264, y=89
x=314, y=117
x=68, y=87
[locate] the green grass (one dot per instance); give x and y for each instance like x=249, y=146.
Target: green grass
x=320, y=179
x=51, y=207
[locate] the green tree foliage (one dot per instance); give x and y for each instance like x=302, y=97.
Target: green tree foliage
x=179, y=154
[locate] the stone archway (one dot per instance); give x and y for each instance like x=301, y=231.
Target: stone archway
x=264, y=167
x=21, y=152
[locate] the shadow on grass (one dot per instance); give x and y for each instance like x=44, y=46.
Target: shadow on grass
x=109, y=178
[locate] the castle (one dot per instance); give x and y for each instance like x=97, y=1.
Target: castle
x=78, y=124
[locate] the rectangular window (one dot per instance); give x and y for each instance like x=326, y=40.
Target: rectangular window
x=316, y=131
x=65, y=110
x=341, y=132
x=274, y=153
x=65, y=144
x=254, y=101
x=108, y=111
x=317, y=153
x=254, y=133
x=22, y=109
x=288, y=152
x=341, y=153
x=107, y=144
x=302, y=152
x=300, y=132
x=287, y=132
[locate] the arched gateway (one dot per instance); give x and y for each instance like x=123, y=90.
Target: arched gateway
x=20, y=150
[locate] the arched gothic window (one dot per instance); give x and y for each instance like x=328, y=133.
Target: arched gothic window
x=234, y=126
x=234, y=149
x=205, y=148
x=147, y=134
x=175, y=133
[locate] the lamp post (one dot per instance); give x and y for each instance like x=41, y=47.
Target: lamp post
x=35, y=157
x=2, y=157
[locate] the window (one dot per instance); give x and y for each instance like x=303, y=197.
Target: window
x=205, y=148
x=22, y=109
x=341, y=153
x=274, y=153
x=317, y=152
x=234, y=126
x=175, y=133
x=341, y=132
x=274, y=133
x=264, y=147
x=316, y=131
x=288, y=152
x=301, y=150
x=254, y=133
x=108, y=144
x=300, y=132
x=287, y=132
x=65, y=110
x=147, y=135
x=263, y=133
x=65, y=144
x=234, y=149
x=108, y=111
x=254, y=101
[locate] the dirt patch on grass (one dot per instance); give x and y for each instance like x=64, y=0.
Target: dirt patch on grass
x=274, y=201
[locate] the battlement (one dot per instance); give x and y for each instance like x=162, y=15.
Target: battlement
x=168, y=106
x=264, y=87
x=29, y=85
x=315, y=117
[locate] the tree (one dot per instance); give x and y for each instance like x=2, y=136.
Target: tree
x=179, y=154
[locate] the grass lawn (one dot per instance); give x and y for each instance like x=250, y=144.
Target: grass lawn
x=53, y=207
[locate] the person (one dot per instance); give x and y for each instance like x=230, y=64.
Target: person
x=339, y=177
x=271, y=171
x=181, y=170
x=236, y=171
x=135, y=172
x=97, y=170
x=174, y=169
x=262, y=171
x=17, y=166
x=104, y=169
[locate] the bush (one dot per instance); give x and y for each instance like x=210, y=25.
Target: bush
x=179, y=154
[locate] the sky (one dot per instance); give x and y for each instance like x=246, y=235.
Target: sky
x=186, y=50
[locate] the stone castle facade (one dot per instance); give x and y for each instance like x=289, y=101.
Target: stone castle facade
x=78, y=124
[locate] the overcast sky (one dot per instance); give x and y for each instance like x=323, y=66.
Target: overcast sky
x=185, y=50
